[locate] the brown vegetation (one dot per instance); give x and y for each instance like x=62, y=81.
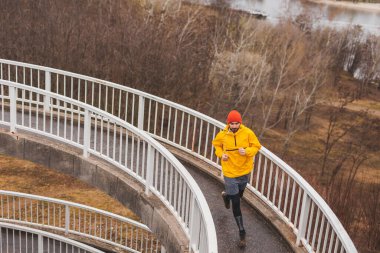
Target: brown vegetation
x=293, y=83
x=27, y=177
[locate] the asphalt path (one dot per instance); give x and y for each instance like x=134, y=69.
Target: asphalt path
x=261, y=236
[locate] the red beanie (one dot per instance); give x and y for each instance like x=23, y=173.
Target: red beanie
x=234, y=116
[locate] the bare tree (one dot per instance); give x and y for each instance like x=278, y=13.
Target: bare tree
x=238, y=68
x=344, y=191
x=336, y=130
x=369, y=66
x=286, y=58
x=370, y=207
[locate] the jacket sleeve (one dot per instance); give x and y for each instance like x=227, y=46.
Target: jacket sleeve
x=254, y=144
x=218, y=144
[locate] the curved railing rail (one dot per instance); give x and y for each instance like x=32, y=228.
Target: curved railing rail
x=14, y=238
x=77, y=219
x=275, y=182
x=112, y=139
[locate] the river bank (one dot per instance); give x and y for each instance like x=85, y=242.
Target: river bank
x=370, y=7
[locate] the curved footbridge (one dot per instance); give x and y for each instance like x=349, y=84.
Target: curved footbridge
x=114, y=149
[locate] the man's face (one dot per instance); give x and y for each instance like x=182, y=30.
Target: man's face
x=234, y=126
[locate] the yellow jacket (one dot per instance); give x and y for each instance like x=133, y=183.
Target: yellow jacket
x=228, y=142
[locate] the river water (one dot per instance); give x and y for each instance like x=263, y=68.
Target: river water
x=321, y=14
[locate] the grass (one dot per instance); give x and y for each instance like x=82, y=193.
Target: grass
x=370, y=172
x=368, y=104
x=306, y=151
x=27, y=177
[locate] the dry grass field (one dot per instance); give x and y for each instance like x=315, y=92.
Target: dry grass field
x=27, y=177
x=308, y=163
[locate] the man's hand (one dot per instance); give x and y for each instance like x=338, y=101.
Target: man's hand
x=242, y=151
x=224, y=157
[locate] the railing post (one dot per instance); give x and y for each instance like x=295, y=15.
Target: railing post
x=67, y=219
x=149, y=169
x=87, y=133
x=47, y=88
x=304, y=216
x=13, y=108
x=40, y=244
x=194, y=225
x=140, y=119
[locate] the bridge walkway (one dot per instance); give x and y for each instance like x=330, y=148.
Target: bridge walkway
x=261, y=235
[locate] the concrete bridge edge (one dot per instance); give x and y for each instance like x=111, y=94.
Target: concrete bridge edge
x=103, y=176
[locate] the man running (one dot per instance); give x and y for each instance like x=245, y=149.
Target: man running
x=236, y=145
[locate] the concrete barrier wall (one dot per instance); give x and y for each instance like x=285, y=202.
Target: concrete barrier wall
x=103, y=176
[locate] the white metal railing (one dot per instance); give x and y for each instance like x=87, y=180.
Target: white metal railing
x=15, y=238
x=99, y=133
x=275, y=182
x=77, y=219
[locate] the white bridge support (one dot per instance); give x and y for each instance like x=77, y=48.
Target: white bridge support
x=48, y=89
x=86, y=133
x=303, y=218
x=150, y=170
x=13, y=109
x=141, y=110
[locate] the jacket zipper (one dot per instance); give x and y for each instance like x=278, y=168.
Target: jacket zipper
x=235, y=140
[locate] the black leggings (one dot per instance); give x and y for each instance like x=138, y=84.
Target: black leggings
x=235, y=199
